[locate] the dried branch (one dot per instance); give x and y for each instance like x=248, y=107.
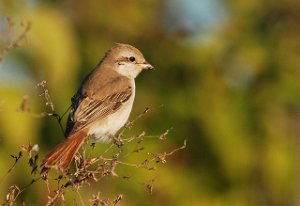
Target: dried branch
x=12, y=40
x=49, y=103
x=12, y=194
x=163, y=157
x=96, y=200
x=24, y=106
x=89, y=169
x=45, y=93
x=17, y=158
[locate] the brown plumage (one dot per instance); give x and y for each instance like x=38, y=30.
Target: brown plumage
x=61, y=156
x=102, y=104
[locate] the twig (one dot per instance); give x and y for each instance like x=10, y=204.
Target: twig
x=45, y=93
x=13, y=166
x=14, y=43
x=49, y=103
x=162, y=157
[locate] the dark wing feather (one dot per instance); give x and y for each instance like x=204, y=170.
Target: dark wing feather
x=90, y=109
x=75, y=101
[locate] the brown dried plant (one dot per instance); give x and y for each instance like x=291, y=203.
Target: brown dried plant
x=90, y=168
x=12, y=36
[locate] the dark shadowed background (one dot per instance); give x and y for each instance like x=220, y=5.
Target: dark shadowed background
x=227, y=75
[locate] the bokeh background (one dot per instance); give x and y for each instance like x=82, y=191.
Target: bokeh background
x=227, y=74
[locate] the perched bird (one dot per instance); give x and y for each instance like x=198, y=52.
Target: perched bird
x=101, y=105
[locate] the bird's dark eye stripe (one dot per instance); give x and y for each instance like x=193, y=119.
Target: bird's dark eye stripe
x=132, y=59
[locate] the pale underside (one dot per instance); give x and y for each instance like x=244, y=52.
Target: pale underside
x=104, y=129
x=104, y=117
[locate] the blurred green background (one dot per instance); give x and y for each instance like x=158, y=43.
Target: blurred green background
x=227, y=73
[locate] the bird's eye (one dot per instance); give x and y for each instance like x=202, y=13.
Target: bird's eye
x=132, y=59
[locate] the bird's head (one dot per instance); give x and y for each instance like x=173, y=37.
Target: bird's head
x=127, y=60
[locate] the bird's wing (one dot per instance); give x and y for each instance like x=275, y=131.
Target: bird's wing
x=90, y=109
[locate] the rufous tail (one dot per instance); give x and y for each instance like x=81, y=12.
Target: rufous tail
x=61, y=156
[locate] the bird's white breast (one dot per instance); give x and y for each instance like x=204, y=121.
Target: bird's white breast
x=103, y=130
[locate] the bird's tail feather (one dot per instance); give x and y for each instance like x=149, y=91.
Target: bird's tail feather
x=62, y=155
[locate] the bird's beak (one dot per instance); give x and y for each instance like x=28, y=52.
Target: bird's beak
x=147, y=66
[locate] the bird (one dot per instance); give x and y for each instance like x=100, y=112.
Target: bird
x=101, y=105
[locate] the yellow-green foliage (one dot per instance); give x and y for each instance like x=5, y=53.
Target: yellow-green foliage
x=232, y=91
